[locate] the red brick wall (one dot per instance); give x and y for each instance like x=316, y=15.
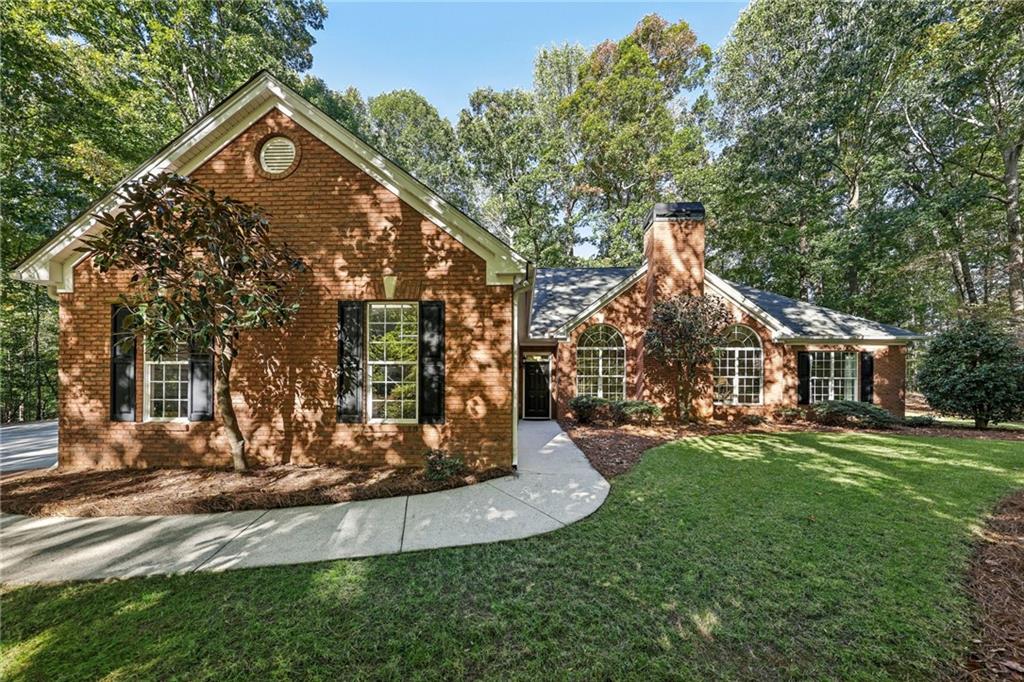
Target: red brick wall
x=780, y=363
x=348, y=228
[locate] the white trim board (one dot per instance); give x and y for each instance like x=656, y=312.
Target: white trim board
x=52, y=265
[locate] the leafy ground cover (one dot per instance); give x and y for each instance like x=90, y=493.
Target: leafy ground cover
x=775, y=556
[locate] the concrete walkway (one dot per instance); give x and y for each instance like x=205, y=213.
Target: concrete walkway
x=554, y=486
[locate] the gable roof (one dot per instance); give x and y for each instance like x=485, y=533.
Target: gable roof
x=564, y=298
x=52, y=264
x=813, y=322
x=561, y=295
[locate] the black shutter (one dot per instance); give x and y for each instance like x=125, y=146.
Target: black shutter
x=431, y=362
x=803, y=374
x=350, y=361
x=867, y=377
x=200, y=385
x=122, y=366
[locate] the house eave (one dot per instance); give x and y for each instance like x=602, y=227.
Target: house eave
x=848, y=340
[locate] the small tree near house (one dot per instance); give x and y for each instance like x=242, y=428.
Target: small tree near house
x=974, y=370
x=683, y=334
x=203, y=270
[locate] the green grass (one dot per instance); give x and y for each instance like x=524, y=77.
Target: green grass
x=769, y=557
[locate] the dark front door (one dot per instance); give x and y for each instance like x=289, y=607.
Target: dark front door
x=537, y=396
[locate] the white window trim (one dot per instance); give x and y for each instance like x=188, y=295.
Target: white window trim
x=600, y=365
x=367, y=376
x=736, y=379
x=147, y=366
x=832, y=376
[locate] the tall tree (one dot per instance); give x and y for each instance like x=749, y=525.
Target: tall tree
x=965, y=109
x=634, y=129
x=408, y=129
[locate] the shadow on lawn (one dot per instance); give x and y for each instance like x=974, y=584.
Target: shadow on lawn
x=703, y=562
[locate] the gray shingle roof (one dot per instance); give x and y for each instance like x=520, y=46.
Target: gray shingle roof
x=560, y=294
x=807, y=320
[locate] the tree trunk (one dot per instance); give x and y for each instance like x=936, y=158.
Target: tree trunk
x=1011, y=178
x=980, y=423
x=222, y=393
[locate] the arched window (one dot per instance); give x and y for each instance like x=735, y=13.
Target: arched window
x=601, y=363
x=739, y=367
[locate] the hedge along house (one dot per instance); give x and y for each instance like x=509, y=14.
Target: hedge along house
x=417, y=328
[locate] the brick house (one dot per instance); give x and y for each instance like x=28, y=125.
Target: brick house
x=490, y=338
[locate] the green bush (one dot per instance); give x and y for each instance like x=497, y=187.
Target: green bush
x=634, y=412
x=852, y=413
x=976, y=371
x=919, y=421
x=441, y=466
x=589, y=409
x=788, y=415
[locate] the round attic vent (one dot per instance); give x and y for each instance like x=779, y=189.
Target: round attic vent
x=277, y=155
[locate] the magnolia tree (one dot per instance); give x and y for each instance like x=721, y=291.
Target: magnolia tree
x=683, y=334
x=974, y=370
x=203, y=270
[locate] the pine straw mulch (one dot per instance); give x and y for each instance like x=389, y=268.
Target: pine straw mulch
x=193, y=491
x=995, y=583
x=614, y=450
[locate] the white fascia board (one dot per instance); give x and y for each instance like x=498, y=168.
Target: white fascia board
x=730, y=293
x=503, y=264
x=849, y=340
x=595, y=307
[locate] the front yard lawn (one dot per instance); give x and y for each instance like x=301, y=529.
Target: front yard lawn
x=748, y=556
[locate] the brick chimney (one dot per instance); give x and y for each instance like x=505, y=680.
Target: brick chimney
x=674, y=251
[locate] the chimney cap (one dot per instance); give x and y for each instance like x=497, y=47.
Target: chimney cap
x=683, y=210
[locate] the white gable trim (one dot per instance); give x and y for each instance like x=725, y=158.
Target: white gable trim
x=53, y=264
x=731, y=294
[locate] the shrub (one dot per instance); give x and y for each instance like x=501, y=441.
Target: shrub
x=634, y=412
x=919, y=421
x=589, y=409
x=441, y=466
x=752, y=419
x=976, y=371
x=852, y=413
x=788, y=415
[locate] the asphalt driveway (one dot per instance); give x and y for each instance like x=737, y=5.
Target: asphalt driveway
x=28, y=446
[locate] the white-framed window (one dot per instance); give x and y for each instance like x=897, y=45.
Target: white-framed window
x=392, y=343
x=166, y=385
x=739, y=368
x=601, y=363
x=833, y=376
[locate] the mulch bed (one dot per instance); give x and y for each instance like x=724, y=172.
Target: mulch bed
x=614, y=450
x=995, y=582
x=192, y=491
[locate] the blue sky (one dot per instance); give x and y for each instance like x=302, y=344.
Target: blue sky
x=445, y=51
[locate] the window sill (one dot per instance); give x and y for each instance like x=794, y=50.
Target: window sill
x=163, y=425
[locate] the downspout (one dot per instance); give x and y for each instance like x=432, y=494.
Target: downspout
x=519, y=285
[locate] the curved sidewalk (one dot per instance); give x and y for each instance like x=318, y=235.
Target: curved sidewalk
x=554, y=486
